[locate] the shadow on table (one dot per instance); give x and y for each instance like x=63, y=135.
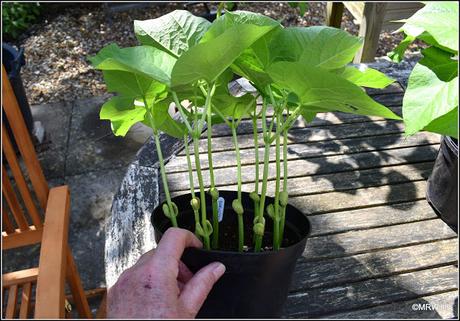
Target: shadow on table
x=372, y=154
x=347, y=287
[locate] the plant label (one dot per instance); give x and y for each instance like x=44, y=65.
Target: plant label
x=220, y=208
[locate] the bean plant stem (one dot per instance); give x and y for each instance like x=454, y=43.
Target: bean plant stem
x=162, y=165
x=285, y=178
x=256, y=147
x=260, y=214
x=215, y=218
x=238, y=163
x=163, y=176
x=277, y=185
x=200, y=181
x=190, y=177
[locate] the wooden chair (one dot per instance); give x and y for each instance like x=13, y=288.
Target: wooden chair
x=372, y=17
x=27, y=221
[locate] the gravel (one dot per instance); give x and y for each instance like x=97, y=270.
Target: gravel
x=57, y=48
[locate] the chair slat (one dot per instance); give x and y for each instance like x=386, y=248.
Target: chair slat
x=78, y=293
x=19, y=178
x=13, y=202
x=7, y=225
x=12, y=301
x=23, y=140
x=20, y=277
x=25, y=301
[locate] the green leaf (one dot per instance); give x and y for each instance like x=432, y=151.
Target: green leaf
x=317, y=46
x=174, y=32
x=308, y=115
x=131, y=84
x=440, y=62
x=164, y=122
x=122, y=113
x=318, y=88
x=426, y=99
x=146, y=61
x=439, y=19
x=397, y=55
x=208, y=60
x=239, y=17
x=444, y=124
x=234, y=107
x=365, y=76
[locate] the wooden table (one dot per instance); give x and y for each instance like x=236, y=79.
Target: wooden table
x=377, y=249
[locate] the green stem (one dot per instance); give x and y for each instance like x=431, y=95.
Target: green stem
x=200, y=181
x=265, y=172
x=285, y=178
x=288, y=122
x=163, y=177
x=256, y=147
x=190, y=177
x=220, y=7
x=238, y=163
x=162, y=165
x=215, y=218
x=182, y=112
x=277, y=187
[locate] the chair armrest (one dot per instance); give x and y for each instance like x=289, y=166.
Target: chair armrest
x=50, y=296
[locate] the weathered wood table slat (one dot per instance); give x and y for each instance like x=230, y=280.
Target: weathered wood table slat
x=377, y=249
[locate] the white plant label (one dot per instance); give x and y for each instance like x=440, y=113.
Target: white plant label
x=220, y=208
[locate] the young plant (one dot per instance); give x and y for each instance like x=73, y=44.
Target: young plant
x=431, y=99
x=296, y=71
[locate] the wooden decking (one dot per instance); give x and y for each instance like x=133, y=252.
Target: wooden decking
x=376, y=247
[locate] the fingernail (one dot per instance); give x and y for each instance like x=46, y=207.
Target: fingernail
x=218, y=270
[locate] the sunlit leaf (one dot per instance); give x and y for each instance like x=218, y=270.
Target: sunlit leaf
x=174, y=32
x=427, y=100
x=318, y=88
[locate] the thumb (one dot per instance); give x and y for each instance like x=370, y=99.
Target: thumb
x=197, y=289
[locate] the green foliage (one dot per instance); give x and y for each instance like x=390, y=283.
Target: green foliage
x=319, y=89
x=427, y=99
x=431, y=99
x=174, y=32
x=299, y=71
x=17, y=17
x=302, y=6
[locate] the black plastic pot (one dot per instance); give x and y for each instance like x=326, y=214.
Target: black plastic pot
x=442, y=188
x=255, y=285
x=13, y=60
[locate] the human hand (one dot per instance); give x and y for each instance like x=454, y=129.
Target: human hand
x=160, y=285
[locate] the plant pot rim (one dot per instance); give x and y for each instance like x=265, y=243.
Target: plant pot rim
x=236, y=253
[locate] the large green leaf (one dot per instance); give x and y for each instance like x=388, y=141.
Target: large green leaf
x=131, y=85
x=318, y=46
x=145, y=61
x=440, y=62
x=174, y=32
x=439, y=19
x=427, y=99
x=208, y=60
x=319, y=88
x=252, y=62
x=365, y=76
x=232, y=18
x=122, y=113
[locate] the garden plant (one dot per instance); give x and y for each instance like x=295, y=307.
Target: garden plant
x=187, y=62
x=431, y=100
